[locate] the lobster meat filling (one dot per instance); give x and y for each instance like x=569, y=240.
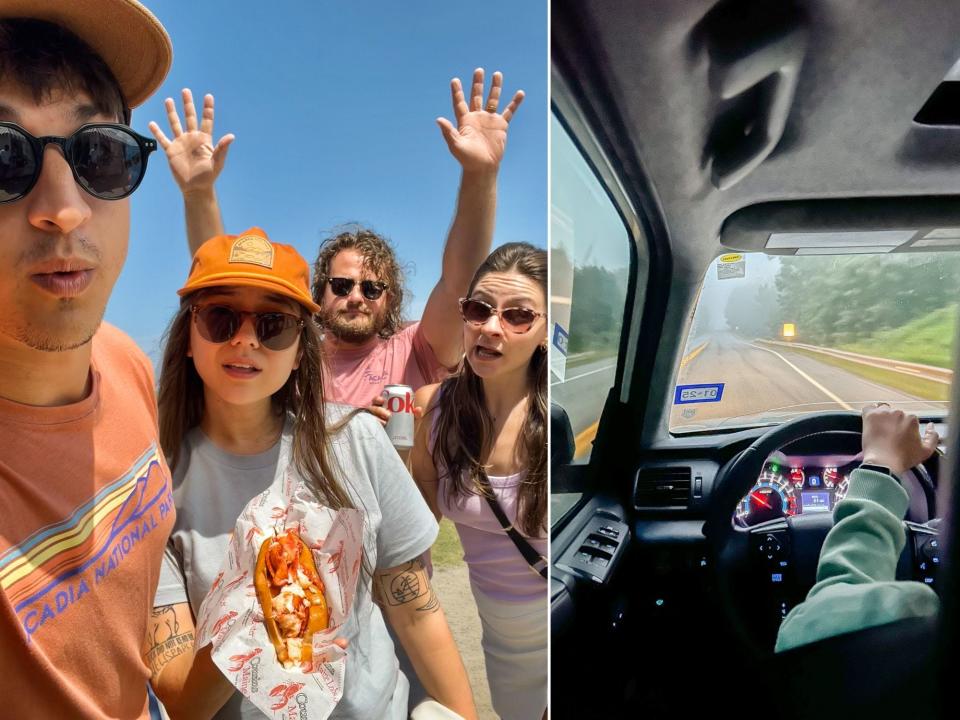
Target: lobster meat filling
x=290, y=592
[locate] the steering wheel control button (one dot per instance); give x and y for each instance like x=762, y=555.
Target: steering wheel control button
x=772, y=549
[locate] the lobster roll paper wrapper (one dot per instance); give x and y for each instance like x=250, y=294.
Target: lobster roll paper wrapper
x=231, y=617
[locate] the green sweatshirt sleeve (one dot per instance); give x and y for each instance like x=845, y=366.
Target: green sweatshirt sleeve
x=856, y=586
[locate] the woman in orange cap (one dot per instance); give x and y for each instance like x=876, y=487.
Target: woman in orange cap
x=240, y=395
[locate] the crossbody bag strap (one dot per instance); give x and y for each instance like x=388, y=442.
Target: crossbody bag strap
x=537, y=562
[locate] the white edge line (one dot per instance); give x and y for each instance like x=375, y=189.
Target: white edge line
x=592, y=372
x=809, y=379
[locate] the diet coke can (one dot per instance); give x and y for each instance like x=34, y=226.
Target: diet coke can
x=398, y=399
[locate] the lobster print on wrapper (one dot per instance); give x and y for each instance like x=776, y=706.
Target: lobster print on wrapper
x=231, y=617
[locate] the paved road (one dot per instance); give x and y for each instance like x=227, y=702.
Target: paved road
x=762, y=379
x=757, y=379
x=583, y=393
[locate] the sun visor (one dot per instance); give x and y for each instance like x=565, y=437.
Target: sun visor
x=845, y=226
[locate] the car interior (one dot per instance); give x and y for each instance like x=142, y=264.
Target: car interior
x=817, y=127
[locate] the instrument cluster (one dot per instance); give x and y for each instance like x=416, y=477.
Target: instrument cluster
x=795, y=485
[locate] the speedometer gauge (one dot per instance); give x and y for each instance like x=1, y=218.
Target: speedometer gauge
x=772, y=497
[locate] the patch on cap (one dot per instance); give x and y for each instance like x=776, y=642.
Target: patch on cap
x=253, y=250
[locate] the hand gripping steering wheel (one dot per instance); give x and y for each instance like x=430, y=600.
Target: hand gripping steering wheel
x=761, y=572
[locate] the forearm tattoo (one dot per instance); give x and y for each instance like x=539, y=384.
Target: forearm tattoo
x=411, y=585
x=167, y=642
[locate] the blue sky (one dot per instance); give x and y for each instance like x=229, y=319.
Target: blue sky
x=333, y=106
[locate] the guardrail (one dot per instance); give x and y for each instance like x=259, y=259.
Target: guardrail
x=927, y=372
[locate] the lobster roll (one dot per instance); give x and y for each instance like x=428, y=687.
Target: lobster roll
x=291, y=594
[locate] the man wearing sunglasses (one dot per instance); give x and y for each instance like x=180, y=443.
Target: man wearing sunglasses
x=358, y=281
x=84, y=490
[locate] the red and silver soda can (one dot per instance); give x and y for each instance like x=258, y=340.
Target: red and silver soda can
x=398, y=399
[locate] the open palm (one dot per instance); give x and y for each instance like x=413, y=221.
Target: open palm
x=194, y=160
x=479, y=139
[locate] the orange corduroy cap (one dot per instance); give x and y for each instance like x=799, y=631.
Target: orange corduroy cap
x=252, y=260
x=126, y=36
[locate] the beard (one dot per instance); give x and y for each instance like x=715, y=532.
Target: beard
x=59, y=333
x=356, y=330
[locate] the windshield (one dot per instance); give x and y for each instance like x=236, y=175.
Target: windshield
x=777, y=337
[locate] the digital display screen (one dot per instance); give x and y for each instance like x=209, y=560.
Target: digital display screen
x=813, y=480
x=815, y=501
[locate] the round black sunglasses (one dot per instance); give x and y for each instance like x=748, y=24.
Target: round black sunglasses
x=108, y=160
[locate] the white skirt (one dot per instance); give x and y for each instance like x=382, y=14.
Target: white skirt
x=515, y=651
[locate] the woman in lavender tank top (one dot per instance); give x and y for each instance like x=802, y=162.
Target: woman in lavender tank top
x=486, y=426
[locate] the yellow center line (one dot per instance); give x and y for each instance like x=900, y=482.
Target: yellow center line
x=585, y=438
x=693, y=354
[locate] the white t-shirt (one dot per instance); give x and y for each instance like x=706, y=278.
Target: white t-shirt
x=211, y=488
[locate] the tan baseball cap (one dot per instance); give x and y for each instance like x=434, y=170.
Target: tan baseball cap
x=127, y=36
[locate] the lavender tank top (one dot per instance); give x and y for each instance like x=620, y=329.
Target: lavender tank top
x=497, y=569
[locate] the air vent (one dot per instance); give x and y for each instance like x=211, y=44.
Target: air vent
x=662, y=487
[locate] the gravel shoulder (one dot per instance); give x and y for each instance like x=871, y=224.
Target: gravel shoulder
x=452, y=584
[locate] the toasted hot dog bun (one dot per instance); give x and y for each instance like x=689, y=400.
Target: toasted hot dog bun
x=292, y=640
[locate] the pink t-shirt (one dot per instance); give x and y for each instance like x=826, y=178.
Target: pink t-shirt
x=357, y=375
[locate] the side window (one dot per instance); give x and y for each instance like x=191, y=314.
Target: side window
x=589, y=275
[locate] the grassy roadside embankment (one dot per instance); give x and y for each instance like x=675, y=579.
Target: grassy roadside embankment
x=927, y=340
x=447, y=551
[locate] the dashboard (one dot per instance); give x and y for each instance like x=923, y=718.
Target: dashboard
x=796, y=485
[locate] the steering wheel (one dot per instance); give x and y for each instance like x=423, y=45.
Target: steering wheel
x=763, y=571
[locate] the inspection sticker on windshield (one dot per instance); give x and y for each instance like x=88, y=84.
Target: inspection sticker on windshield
x=703, y=393
x=731, y=265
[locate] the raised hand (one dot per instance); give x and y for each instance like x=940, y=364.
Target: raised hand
x=194, y=160
x=478, y=140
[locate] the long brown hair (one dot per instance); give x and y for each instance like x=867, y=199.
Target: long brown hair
x=463, y=425
x=180, y=403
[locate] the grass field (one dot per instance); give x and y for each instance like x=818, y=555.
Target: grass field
x=447, y=551
x=927, y=340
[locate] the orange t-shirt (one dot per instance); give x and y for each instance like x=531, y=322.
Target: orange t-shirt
x=85, y=511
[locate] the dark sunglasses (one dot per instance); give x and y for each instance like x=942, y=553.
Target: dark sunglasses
x=108, y=160
x=371, y=289
x=219, y=323
x=517, y=319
